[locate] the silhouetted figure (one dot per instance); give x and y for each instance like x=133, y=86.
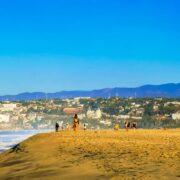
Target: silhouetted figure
x=75, y=122
x=134, y=125
x=67, y=126
x=116, y=127
x=62, y=126
x=127, y=125
x=85, y=126
x=57, y=127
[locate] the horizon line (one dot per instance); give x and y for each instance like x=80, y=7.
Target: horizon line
x=27, y=92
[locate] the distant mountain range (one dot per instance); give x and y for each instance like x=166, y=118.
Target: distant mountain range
x=151, y=91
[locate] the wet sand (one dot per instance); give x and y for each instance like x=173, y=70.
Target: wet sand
x=141, y=154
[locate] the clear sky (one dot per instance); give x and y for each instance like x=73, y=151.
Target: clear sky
x=54, y=45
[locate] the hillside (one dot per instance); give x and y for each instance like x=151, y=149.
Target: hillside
x=151, y=91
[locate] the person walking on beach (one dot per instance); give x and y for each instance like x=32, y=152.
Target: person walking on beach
x=127, y=125
x=57, y=127
x=62, y=126
x=75, y=123
x=85, y=126
x=134, y=126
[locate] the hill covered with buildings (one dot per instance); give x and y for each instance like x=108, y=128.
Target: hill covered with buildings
x=96, y=112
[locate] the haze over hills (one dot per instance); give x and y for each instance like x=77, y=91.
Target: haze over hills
x=170, y=90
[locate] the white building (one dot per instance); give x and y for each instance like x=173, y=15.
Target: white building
x=98, y=113
x=81, y=116
x=78, y=98
x=5, y=118
x=135, y=105
x=94, y=114
x=39, y=117
x=90, y=113
x=8, y=107
x=14, y=118
x=155, y=107
x=106, y=122
x=173, y=103
x=32, y=116
x=136, y=118
x=176, y=116
x=124, y=116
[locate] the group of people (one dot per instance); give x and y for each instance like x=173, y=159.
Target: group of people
x=129, y=125
x=75, y=124
x=62, y=127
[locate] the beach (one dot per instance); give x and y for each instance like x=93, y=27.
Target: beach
x=103, y=154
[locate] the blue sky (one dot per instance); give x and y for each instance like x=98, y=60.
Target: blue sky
x=53, y=45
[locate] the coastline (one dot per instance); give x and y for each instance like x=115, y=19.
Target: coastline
x=9, y=139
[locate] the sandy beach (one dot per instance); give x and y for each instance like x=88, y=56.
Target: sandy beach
x=141, y=154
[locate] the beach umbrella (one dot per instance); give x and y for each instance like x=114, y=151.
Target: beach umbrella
x=72, y=110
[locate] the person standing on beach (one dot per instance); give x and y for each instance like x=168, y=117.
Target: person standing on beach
x=57, y=127
x=75, y=123
x=67, y=127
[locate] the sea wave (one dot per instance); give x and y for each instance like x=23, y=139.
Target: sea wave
x=8, y=139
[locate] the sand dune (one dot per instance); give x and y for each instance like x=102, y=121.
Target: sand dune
x=143, y=154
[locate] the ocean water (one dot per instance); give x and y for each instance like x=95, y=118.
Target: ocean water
x=9, y=139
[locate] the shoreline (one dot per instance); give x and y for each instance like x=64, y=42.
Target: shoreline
x=10, y=146
x=141, y=154
x=9, y=139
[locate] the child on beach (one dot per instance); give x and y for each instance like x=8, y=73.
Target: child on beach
x=85, y=126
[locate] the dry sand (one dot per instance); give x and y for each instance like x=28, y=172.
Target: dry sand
x=143, y=154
